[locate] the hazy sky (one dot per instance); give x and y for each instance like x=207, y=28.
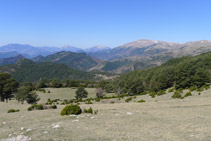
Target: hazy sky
x=86, y=23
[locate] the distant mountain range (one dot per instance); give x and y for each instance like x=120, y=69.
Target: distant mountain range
x=135, y=55
x=29, y=51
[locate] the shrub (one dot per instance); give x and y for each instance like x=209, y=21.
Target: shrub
x=13, y=110
x=199, y=93
x=187, y=94
x=97, y=99
x=71, y=109
x=32, y=98
x=88, y=102
x=141, y=101
x=180, y=90
x=49, y=91
x=128, y=99
x=95, y=112
x=54, y=107
x=152, y=94
x=176, y=95
x=88, y=110
x=161, y=92
x=41, y=90
x=192, y=88
x=143, y=93
x=171, y=90
x=81, y=93
x=35, y=107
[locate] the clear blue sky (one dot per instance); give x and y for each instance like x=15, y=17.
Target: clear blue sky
x=85, y=23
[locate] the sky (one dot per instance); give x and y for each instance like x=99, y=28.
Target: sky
x=86, y=23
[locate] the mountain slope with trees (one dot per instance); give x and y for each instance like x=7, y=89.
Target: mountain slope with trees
x=182, y=72
x=27, y=70
x=80, y=61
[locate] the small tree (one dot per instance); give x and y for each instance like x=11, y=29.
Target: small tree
x=81, y=93
x=32, y=98
x=8, y=86
x=99, y=93
x=22, y=94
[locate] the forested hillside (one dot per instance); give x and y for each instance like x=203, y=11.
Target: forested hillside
x=80, y=61
x=27, y=70
x=179, y=72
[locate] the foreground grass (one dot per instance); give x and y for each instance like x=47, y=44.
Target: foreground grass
x=159, y=118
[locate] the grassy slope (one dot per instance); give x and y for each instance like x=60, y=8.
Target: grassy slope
x=167, y=119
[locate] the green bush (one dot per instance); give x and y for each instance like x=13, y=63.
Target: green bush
x=176, y=95
x=88, y=110
x=88, y=102
x=54, y=107
x=141, y=101
x=128, y=99
x=162, y=92
x=35, y=107
x=152, y=94
x=187, y=94
x=192, y=88
x=41, y=90
x=171, y=90
x=95, y=112
x=13, y=110
x=71, y=109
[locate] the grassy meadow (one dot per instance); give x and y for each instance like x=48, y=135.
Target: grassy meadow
x=161, y=118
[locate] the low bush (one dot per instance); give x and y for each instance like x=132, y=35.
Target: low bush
x=35, y=107
x=88, y=102
x=192, y=88
x=54, y=107
x=88, y=110
x=13, y=110
x=152, y=94
x=187, y=94
x=141, y=101
x=176, y=95
x=162, y=92
x=171, y=90
x=71, y=109
x=95, y=112
x=128, y=99
x=41, y=90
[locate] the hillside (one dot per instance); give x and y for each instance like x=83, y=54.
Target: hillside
x=179, y=72
x=27, y=70
x=11, y=60
x=80, y=61
x=144, y=53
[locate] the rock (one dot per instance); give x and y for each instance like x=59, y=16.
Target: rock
x=22, y=128
x=92, y=117
x=45, y=132
x=56, y=126
x=75, y=120
x=129, y=113
x=4, y=123
x=28, y=130
x=18, y=138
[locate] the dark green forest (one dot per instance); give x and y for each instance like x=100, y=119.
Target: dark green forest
x=29, y=71
x=181, y=72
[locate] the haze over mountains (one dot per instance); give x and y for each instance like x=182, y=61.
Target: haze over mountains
x=131, y=56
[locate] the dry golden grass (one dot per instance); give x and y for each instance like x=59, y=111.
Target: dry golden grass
x=161, y=118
